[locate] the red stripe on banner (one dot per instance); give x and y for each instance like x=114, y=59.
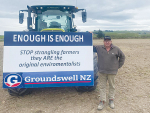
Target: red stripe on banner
x=7, y=84
x=59, y=82
x=15, y=85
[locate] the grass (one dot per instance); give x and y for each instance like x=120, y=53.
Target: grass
x=127, y=34
x=1, y=36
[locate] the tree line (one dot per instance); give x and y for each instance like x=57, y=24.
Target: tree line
x=99, y=34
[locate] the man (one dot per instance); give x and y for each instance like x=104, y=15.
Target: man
x=110, y=59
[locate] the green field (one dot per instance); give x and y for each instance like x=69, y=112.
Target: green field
x=1, y=36
x=126, y=34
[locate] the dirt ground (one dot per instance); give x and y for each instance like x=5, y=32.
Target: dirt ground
x=132, y=88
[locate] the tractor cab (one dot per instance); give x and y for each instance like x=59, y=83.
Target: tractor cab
x=51, y=18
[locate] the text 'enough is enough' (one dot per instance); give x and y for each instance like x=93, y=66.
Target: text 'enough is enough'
x=47, y=38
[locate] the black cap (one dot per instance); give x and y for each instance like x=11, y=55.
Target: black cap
x=107, y=38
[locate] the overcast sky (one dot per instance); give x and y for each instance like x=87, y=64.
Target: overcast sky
x=101, y=14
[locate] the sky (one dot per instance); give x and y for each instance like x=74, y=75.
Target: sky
x=101, y=14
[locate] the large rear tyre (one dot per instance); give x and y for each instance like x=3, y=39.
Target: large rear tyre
x=87, y=88
x=18, y=91
x=90, y=88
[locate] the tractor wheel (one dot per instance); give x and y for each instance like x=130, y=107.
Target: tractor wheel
x=90, y=88
x=87, y=88
x=18, y=91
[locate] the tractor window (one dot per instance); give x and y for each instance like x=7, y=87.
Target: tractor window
x=54, y=19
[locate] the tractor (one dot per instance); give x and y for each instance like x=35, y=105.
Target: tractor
x=53, y=18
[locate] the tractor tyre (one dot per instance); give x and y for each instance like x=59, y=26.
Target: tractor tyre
x=90, y=88
x=18, y=91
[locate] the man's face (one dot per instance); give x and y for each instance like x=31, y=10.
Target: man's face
x=107, y=43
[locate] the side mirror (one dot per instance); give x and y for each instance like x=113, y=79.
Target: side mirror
x=73, y=16
x=21, y=17
x=84, y=15
x=29, y=23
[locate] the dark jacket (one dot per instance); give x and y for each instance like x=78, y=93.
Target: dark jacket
x=109, y=62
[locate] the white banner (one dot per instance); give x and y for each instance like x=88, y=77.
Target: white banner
x=47, y=58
